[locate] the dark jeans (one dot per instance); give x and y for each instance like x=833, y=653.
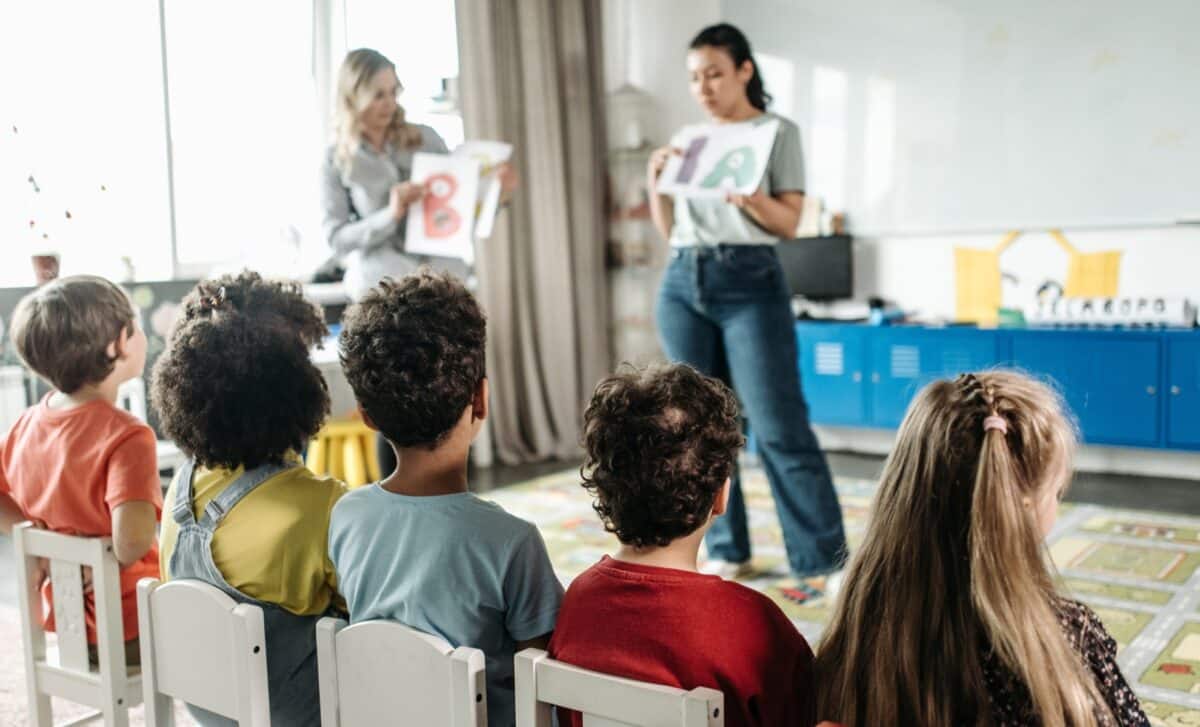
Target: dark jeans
x=725, y=311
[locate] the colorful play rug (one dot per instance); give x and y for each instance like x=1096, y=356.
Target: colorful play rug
x=1137, y=570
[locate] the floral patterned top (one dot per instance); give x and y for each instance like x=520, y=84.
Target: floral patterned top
x=1011, y=703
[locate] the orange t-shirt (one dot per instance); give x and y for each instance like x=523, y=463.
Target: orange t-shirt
x=69, y=468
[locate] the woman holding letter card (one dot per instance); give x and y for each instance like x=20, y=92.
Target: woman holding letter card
x=365, y=179
x=724, y=303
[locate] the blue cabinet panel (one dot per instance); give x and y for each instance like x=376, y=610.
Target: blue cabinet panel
x=904, y=360
x=1183, y=391
x=1109, y=380
x=831, y=373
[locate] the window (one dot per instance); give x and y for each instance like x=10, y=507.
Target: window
x=82, y=114
x=84, y=169
x=426, y=61
x=245, y=131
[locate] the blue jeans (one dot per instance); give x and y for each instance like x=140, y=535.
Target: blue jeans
x=725, y=311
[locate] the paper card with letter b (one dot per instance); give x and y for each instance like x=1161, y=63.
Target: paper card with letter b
x=442, y=222
x=490, y=154
x=717, y=160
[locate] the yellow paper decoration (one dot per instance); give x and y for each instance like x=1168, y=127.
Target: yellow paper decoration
x=977, y=282
x=1089, y=274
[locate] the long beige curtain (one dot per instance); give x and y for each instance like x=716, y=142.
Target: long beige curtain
x=530, y=73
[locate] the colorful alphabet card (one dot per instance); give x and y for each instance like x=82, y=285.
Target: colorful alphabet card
x=719, y=159
x=442, y=222
x=490, y=155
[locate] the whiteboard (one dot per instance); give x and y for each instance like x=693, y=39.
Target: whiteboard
x=977, y=115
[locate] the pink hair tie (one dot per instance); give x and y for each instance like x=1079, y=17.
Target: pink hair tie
x=997, y=422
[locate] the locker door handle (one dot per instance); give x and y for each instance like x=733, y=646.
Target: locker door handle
x=1151, y=390
x=857, y=376
x=875, y=378
x=1176, y=391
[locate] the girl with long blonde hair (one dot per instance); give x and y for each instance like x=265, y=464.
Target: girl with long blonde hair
x=949, y=614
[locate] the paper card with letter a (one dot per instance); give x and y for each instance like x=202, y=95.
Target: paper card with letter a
x=719, y=159
x=443, y=222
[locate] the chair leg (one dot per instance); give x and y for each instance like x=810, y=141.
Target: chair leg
x=116, y=715
x=164, y=707
x=39, y=709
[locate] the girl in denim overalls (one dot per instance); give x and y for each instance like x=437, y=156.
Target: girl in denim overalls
x=237, y=392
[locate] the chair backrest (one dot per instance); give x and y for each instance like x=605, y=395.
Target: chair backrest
x=68, y=673
x=607, y=701
x=68, y=555
x=201, y=646
x=382, y=672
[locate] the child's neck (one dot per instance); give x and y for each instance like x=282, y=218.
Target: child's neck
x=422, y=473
x=680, y=554
x=104, y=391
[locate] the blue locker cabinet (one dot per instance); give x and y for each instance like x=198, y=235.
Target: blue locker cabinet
x=1110, y=380
x=1183, y=391
x=831, y=372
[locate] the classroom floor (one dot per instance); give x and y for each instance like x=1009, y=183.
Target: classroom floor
x=1128, y=546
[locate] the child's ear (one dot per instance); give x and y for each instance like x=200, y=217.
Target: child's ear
x=722, y=502
x=479, y=404
x=367, y=419
x=116, y=349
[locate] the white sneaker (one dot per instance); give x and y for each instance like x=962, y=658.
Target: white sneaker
x=728, y=570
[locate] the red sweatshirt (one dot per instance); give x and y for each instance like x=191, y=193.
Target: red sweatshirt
x=688, y=630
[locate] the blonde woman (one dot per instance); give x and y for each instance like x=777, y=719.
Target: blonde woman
x=949, y=613
x=365, y=190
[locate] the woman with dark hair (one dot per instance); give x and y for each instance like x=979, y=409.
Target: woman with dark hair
x=724, y=308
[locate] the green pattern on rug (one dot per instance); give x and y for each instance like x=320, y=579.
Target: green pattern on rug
x=1140, y=572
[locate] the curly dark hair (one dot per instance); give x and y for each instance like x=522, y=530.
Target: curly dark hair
x=235, y=386
x=660, y=443
x=413, y=351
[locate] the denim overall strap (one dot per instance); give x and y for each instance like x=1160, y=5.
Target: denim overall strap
x=220, y=505
x=182, y=509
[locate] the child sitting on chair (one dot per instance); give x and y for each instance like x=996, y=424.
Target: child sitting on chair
x=237, y=392
x=418, y=548
x=976, y=630
x=75, y=463
x=660, y=445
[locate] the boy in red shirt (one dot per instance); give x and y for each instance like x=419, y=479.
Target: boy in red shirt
x=660, y=447
x=75, y=463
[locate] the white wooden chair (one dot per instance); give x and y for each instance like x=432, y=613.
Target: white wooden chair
x=63, y=670
x=202, y=647
x=607, y=701
x=382, y=672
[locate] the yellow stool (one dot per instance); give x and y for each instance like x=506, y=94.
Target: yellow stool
x=345, y=450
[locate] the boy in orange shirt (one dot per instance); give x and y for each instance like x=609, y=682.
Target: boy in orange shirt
x=75, y=463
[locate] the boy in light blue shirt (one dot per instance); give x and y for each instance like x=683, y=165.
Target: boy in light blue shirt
x=417, y=547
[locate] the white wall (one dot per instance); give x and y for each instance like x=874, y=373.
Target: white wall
x=917, y=272
x=646, y=44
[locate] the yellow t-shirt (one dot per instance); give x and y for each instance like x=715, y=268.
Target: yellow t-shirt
x=273, y=545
